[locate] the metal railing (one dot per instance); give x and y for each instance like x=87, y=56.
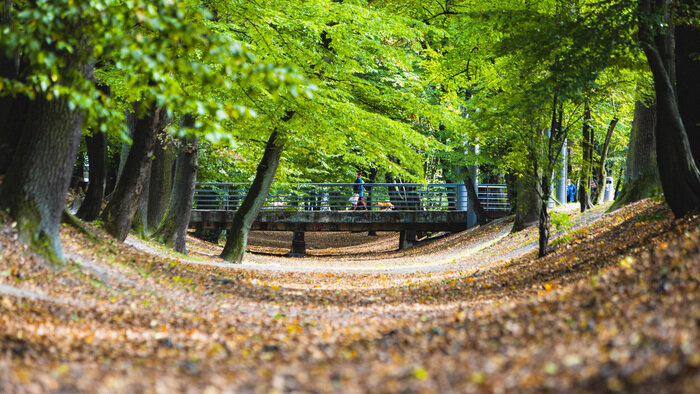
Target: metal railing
x=493, y=197
x=336, y=196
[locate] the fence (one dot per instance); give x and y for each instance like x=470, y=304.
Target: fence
x=336, y=196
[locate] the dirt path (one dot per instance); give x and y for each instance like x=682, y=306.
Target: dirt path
x=614, y=307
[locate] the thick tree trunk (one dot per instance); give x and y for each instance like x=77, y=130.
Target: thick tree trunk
x=237, y=236
x=11, y=123
x=97, y=159
x=600, y=172
x=131, y=120
x=161, y=182
x=34, y=190
x=587, y=160
x=173, y=228
x=687, y=47
x=528, y=205
x=474, y=201
x=679, y=174
x=139, y=225
x=119, y=213
x=642, y=174
x=13, y=109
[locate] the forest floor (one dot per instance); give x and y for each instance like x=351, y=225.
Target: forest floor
x=614, y=307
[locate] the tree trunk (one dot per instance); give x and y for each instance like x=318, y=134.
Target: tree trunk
x=13, y=109
x=678, y=172
x=139, y=224
x=97, y=159
x=543, y=229
x=34, y=190
x=587, y=159
x=600, y=172
x=119, y=213
x=237, y=236
x=13, y=114
x=372, y=178
x=131, y=120
x=173, y=228
x=474, y=201
x=528, y=203
x=161, y=182
x=642, y=174
x=687, y=47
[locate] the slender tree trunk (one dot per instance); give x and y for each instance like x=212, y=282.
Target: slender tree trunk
x=600, y=172
x=555, y=142
x=237, y=236
x=587, y=156
x=679, y=174
x=474, y=201
x=642, y=173
x=118, y=215
x=173, y=228
x=543, y=229
x=97, y=159
x=78, y=176
x=34, y=191
x=372, y=178
x=161, y=182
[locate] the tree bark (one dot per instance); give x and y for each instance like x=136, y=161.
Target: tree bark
x=642, y=174
x=13, y=114
x=237, y=236
x=139, y=225
x=33, y=191
x=13, y=109
x=481, y=217
x=687, y=48
x=173, y=228
x=528, y=205
x=131, y=120
x=587, y=159
x=97, y=159
x=372, y=178
x=161, y=182
x=678, y=172
x=118, y=215
x=600, y=172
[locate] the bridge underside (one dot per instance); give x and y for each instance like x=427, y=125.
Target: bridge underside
x=452, y=221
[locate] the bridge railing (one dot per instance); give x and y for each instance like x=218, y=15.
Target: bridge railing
x=336, y=196
x=494, y=197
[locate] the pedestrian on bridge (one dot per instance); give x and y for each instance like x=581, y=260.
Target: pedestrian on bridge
x=359, y=189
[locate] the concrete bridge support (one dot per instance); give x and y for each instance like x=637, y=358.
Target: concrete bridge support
x=407, y=238
x=298, y=245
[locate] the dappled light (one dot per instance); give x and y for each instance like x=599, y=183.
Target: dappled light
x=456, y=312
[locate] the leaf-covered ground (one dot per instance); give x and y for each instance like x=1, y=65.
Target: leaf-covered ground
x=614, y=308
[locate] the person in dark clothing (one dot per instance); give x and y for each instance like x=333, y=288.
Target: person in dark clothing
x=359, y=189
x=570, y=191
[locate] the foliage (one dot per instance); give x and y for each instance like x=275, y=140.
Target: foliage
x=561, y=221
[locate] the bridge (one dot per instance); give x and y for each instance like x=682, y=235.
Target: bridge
x=404, y=207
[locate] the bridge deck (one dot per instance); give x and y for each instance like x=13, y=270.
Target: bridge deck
x=452, y=221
